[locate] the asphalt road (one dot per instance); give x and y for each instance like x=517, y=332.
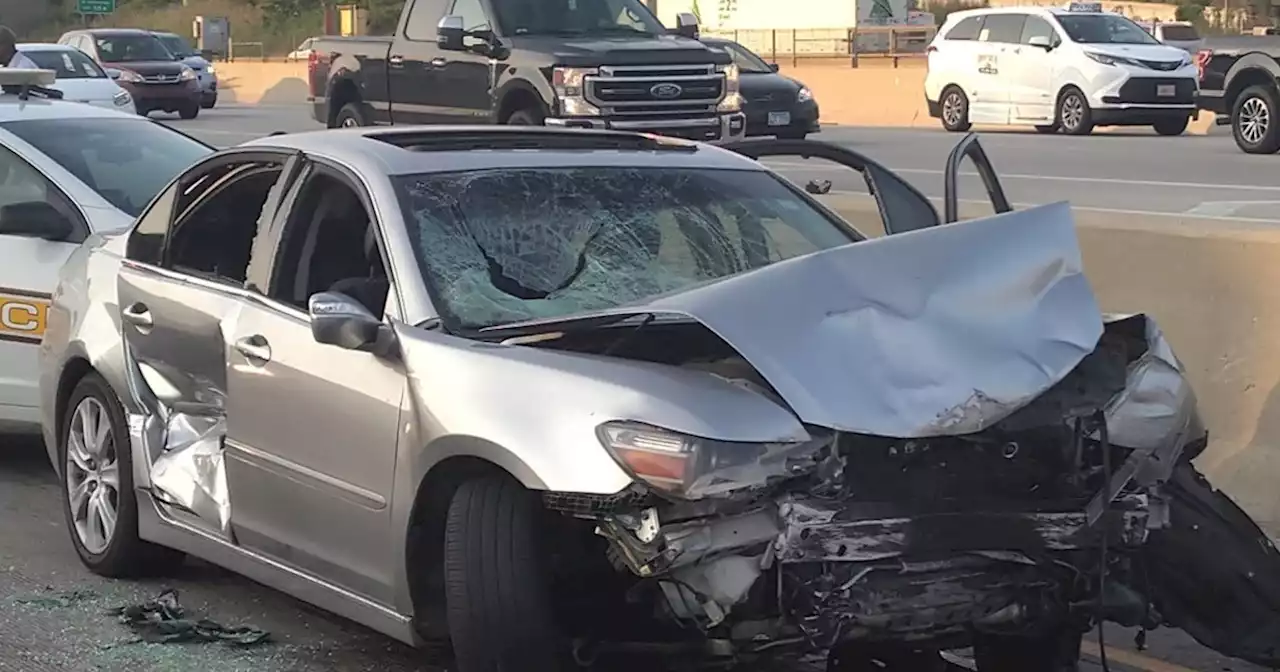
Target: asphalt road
x=52, y=612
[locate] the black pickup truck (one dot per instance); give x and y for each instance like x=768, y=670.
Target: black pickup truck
x=1239, y=78
x=575, y=63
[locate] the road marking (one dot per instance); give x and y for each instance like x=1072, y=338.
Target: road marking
x=1222, y=208
x=1132, y=659
x=1050, y=178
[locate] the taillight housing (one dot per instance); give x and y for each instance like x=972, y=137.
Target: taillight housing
x=313, y=64
x=1202, y=61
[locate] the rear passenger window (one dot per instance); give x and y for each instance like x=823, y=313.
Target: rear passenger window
x=1005, y=28
x=1036, y=27
x=967, y=29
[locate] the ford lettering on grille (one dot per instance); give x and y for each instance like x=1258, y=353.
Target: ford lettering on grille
x=666, y=91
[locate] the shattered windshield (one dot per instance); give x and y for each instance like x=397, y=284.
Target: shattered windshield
x=507, y=245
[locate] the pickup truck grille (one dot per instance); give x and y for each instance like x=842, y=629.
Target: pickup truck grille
x=655, y=91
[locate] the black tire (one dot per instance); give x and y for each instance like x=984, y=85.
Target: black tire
x=1073, y=115
x=1052, y=128
x=209, y=103
x=190, y=111
x=1254, y=122
x=530, y=117
x=956, y=117
x=1176, y=126
x=351, y=115
x=1058, y=650
x=125, y=554
x=496, y=587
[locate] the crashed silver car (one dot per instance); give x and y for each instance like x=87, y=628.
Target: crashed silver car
x=567, y=398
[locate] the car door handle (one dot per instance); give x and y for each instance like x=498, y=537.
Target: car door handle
x=139, y=316
x=438, y=62
x=396, y=60
x=254, y=348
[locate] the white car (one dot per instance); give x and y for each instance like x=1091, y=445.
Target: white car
x=67, y=171
x=1068, y=69
x=79, y=77
x=303, y=52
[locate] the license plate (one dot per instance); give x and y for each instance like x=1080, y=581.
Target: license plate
x=779, y=118
x=1166, y=90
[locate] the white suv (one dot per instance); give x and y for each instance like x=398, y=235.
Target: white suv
x=1057, y=69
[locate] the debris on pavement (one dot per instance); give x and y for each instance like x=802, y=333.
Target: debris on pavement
x=163, y=621
x=58, y=600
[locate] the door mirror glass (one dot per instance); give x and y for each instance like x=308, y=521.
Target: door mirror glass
x=687, y=25
x=1041, y=41
x=773, y=67
x=34, y=219
x=337, y=319
x=449, y=33
x=113, y=73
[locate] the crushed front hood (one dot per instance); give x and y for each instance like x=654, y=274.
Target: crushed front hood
x=941, y=331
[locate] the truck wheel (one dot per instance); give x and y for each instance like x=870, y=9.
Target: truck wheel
x=955, y=110
x=525, y=118
x=496, y=587
x=1253, y=120
x=351, y=115
x=1056, y=651
x=98, y=499
x=1172, y=126
x=1074, y=116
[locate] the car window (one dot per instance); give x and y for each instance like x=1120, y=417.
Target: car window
x=745, y=60
x=216, y=220
x=1037, y=27
x=132, y=49
x=177, y=45
x=125, y=160
x=1104, y=29
x=1179, y=33
x=68, y=63
x=966, y=29
x=329, y=244
x=20, y=182
x=421, y=24
x=472, y=14
x=576, y=17
x=1004, y=28
x=506, y=245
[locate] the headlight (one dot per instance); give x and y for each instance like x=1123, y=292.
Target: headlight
x=570, y=88
x=129, y=76
x=122, y=98
x=211, y=70
x=187, y=74
x=690, y=467
x=1109, y=60
x=732, y=92
x=805, y=95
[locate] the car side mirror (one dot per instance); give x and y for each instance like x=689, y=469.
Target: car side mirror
x=1041, y=41
x=35, y=219
x=773, y=67
x=687, y=25
x=449, y=33
x=338, y=319
x=113, y=73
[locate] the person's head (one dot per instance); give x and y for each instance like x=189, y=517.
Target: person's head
x=8, y=44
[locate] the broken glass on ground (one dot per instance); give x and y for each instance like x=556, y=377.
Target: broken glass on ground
x=163, y=621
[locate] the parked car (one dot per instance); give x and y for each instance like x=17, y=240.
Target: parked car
x=155, y=78
x=530, y=63
x=1240, y=84
x=79, y=78
x=206, y=73
x=774, y=104
x=67, y=171
x=1059, y=69
x=766, y=431
x=1180, y=34
x=303, y=52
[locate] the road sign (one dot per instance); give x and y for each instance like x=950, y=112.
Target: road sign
x=95, y=6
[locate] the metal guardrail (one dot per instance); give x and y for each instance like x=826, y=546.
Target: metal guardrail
x=896, y=42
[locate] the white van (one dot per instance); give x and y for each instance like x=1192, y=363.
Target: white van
x=1057, y=69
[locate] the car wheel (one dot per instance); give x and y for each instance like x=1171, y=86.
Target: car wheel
x=351, y=115
x=955, y=110
x=1075, y=117
x=99, y=501
x=209, y=103
x=525, y=118
x=1052, y=128
x=189, y=111
x=496, y=588
x=1056, y=651
x=1175, y=126
x=1253, y=120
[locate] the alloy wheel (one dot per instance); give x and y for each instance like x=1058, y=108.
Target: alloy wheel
x=1255, y=119
x=1072, y=111
x=93, y=475
x=953, y=109
x=350, y=122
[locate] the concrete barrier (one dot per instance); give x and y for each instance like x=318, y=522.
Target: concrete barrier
x=873, y=94
x=1216, y=293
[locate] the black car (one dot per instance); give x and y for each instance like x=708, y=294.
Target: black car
x=775, y=104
